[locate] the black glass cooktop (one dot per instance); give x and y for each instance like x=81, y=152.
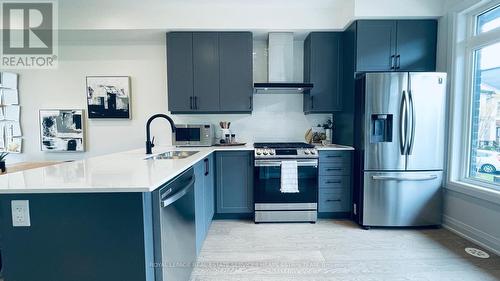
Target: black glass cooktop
x=282, y=145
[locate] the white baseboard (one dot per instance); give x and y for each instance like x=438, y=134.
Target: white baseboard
x=472, y=234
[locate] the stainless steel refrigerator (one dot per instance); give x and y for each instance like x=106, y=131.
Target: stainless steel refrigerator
x=400, y=134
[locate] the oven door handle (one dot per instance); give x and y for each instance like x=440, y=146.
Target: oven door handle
x=277, y=163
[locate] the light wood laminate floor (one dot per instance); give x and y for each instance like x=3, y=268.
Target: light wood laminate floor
x=336, y=250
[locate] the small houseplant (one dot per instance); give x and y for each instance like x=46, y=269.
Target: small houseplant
x=2, y=161
x=328, y=126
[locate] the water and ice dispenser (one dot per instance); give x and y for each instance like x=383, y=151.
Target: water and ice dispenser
x=381, y=128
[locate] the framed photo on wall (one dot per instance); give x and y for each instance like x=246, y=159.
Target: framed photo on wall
x=62, y=130
x=108, y=97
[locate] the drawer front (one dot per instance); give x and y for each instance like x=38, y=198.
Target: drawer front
x=332, y=182
x=335, y=169
x=333, y=200
x=334, y=157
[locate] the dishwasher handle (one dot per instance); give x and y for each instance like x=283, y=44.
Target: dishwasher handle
x=171, y=199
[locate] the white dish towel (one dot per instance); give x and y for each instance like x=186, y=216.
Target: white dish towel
x=289, y=177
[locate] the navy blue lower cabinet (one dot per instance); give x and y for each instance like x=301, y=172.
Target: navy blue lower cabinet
x=209, y=187
x=234, y=182
x=204, y=199
x=77, y=237
x=199, y=198
x=335, y=184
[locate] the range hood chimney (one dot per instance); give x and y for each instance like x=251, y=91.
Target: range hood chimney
x=280, y=65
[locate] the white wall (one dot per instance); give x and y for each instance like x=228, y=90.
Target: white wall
x=65, y=88
x=202, y=14
x=275, y=117
x=398, y=8
x=473, y=218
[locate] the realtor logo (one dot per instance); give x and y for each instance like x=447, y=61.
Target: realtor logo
x=28, y=35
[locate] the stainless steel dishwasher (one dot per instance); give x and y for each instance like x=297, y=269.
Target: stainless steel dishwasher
x=174, y=230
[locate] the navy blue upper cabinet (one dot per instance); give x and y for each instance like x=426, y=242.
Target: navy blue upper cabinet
x=209, y=72
x=376, y=45
x=417, y=41
x=234, y=182
x=180, y=71
x=396, y=45
x=236, y=71
x=206, y=71
x=323, y=68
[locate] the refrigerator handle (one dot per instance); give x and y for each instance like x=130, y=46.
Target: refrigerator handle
x=402, y=124
x=413, y=121
x=407, y=178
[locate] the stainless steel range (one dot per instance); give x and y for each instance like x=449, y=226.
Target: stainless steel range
x=271, y=203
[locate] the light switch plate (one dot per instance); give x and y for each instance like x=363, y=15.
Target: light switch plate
x=20, y=213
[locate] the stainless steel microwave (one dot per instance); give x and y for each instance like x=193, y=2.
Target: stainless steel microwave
x=193, y=135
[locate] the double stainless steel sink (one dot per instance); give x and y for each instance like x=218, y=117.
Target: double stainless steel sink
x=177, y=154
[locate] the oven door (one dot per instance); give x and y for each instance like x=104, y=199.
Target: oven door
x=267, y=182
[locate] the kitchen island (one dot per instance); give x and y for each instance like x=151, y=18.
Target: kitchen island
x=90, y=219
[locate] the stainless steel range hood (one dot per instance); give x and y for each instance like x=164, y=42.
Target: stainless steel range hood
x=280, y=65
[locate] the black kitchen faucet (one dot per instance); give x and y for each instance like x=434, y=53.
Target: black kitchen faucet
x=150, y=143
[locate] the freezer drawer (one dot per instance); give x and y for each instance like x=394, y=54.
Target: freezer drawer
x=402, y=198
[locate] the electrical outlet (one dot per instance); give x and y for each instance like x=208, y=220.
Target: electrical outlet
x=20, y=213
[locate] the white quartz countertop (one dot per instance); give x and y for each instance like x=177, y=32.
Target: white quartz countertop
x=119, y=172
x=334, y=147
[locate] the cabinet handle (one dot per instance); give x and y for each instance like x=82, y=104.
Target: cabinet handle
x=195, y=102
x=333, y=200
x=334, y=169
x=251, y=102
x=393, y=64
x=398, y=61
x=333, y=182
x=333, y=156
x=312, y=101
x=191, y=103
x=206, y=167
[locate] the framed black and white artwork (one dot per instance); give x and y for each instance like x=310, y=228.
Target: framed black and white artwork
x=62, y=130
x=108, y=97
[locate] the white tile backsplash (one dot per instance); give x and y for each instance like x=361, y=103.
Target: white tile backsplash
x=275, y=117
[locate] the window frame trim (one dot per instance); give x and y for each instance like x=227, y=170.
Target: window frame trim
x=465, y=42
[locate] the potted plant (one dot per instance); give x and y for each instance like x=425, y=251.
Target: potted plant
x=2, y=161
x=328, y=126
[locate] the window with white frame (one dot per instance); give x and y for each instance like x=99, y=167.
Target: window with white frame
x=484, y=85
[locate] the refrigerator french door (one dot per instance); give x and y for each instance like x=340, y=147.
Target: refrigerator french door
x=402, y=148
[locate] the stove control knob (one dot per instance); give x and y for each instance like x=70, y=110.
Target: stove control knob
x=271, y=152
x=313, y=152
x=265, y=152
x=306, y=152
x=259, y=153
